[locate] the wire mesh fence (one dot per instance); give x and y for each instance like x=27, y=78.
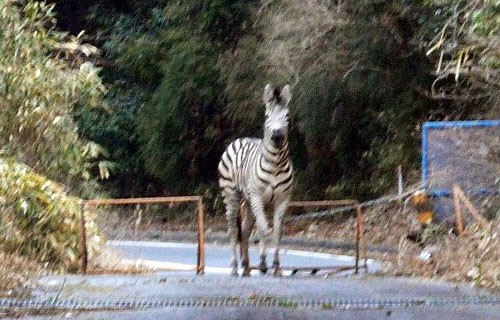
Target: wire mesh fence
x=463, y=153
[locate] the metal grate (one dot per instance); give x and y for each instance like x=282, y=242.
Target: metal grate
x=338, y=304
x=462, y=153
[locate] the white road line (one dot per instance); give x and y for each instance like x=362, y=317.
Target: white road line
x=153, y=244
x=174, y=266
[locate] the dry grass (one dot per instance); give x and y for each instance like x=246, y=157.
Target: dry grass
x=472, y=257
x=15, y=274
x=109, y=262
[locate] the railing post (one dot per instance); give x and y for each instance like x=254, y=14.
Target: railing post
x=458, y=211
x=200, y=268
x=358, y=237
x=83, y=240
x=399, y=173
x=473, y=211
x=359, y=240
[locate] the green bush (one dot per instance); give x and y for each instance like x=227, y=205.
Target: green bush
x=165, y=78
x=464, y=48
x=39, y=220
x=43, y=79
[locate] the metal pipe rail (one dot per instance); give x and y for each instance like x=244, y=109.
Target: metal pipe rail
x=352, y=206
x=201, y=224
x=285, y=302
x=345, y=203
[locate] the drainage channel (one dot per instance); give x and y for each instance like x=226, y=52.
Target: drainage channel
x=285, y=302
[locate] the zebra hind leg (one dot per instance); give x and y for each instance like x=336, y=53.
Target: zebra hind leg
x=231, y=201
x=246, y=229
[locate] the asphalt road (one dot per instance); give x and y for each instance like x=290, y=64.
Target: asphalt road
x=217, y=295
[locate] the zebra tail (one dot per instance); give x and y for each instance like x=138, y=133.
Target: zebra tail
x=239, y=221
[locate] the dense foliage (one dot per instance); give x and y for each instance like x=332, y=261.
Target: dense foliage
x=39, y=91
x=466, y=53
x=186, y=77
x=166, y=128
x=40, y=220
x=43, y=81
x=353, y=99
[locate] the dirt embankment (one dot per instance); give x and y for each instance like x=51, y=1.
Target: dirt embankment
x=438, y=252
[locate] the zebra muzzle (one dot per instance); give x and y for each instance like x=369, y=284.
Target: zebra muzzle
x=278, y=137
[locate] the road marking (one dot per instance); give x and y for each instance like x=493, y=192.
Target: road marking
x=177, y=245
x=151, y=244
x=175, y=266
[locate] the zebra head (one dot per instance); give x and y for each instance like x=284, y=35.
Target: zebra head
x=277, y=115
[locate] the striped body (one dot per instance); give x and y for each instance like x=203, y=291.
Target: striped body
x=259, y=172
x=248, y=167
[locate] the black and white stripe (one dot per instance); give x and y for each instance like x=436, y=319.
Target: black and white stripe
x=260, y=171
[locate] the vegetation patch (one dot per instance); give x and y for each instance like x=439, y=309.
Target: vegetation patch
x=287, y=304
x=15, y=274
x=40, y=221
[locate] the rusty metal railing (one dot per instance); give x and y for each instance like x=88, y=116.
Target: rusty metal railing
x=200, y=267
x=344, y=204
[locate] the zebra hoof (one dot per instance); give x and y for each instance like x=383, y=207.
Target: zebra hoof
x=234, y=273
x=263, y=268
x=246, y=273
x=277, y=272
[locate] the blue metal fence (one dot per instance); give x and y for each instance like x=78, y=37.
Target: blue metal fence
x=455, y=152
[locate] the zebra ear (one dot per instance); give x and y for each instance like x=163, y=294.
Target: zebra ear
x=286, y=95
x=268, y=94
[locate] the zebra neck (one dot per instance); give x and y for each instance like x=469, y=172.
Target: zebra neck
x=274, y=156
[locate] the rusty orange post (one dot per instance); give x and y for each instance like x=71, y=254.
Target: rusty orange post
x=359, y=232
x=83, y=239
x=362, y=244
x=458, y=211
x=201, y=238
x=473, y=211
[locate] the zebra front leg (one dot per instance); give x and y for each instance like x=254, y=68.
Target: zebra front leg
x=262, y=255
x=279, y=212
x=246, y=229
x=263, y=229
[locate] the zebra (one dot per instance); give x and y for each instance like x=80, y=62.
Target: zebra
x=259, y=172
